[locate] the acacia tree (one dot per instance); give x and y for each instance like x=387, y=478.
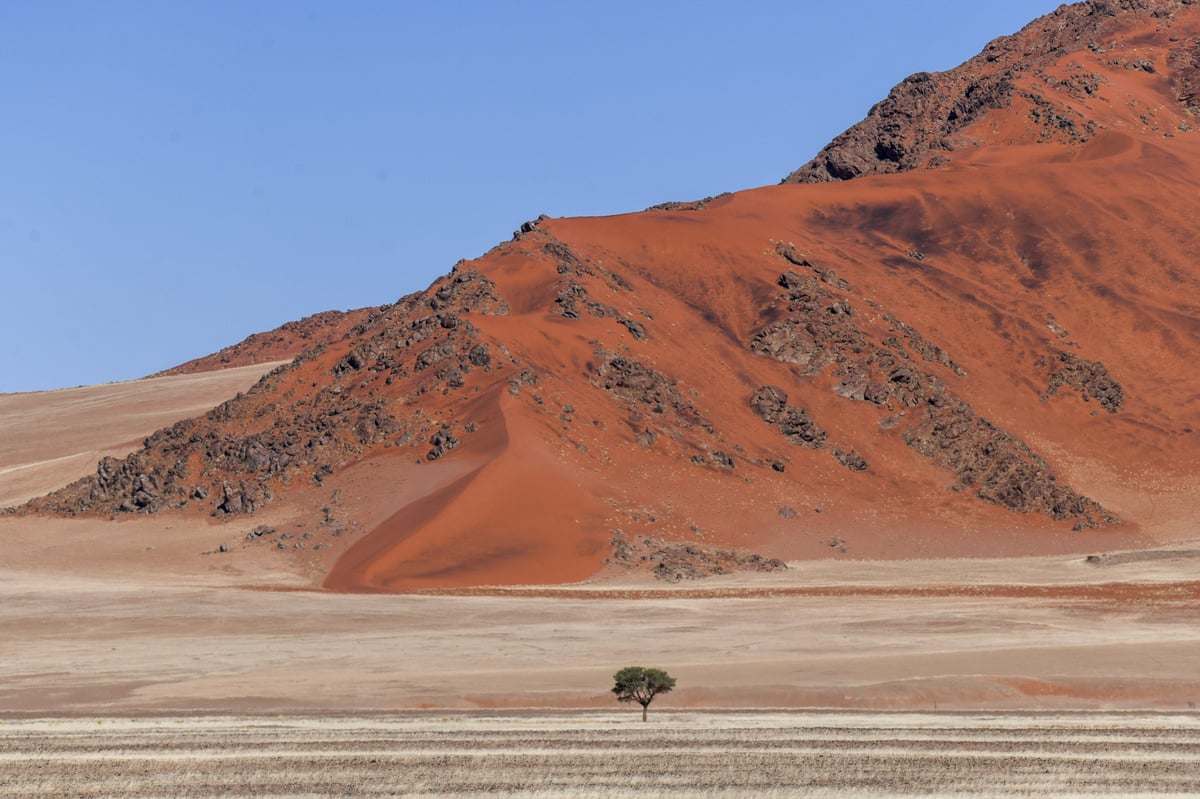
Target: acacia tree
x=636, y=684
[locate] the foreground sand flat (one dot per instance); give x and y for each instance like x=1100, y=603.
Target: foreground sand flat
x=129, y=635
x=604, y=754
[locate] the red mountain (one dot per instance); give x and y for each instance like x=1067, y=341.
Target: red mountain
x=967, y=326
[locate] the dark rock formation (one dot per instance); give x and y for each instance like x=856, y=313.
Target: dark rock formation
x=1090, y=378
x=237, y=456
x=916, y=125
x=674, y=562
x=817, y=330
x=637, y=385
x=440, y=443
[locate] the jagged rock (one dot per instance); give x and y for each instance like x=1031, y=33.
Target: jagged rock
x=850, y=459
x=435, y=354
x=352, y=362
x=693, y=205
x=479, y=356
x=440, y=443
x=529, y=227
x=918, y=114
x=240, y=497
x=283, y=342
x=921, y=118
x=637, y=384
x=820, y=330
x=526, y=377
x=1090, y=378
x=467, y=290
x=798, y=428
x=997, y=466
x=635, y=328
x=567, y=300
x=769, y=403
x=602, y=311
x=721, y=459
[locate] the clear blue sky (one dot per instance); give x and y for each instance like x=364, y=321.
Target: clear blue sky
x=177, y=175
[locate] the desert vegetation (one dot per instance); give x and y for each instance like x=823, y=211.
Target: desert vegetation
x=641, y=685
x=772, y=754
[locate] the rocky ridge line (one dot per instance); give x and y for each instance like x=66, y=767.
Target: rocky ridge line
x=915, y=125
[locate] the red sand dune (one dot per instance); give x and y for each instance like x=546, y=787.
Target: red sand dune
x=985, y=339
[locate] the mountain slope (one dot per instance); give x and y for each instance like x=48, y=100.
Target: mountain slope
x=985, y=352
x=284, y=342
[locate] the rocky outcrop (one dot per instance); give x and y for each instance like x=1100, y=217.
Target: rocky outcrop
x=1090, y=378
x=918, y=123
x=641, y=387
x=770, y=403
x=466, y=290
x=902, y=131
x=817, y=330
x=692, y=205
x=573, y=298
x=673, y=562
x=236, y=458
x=994, y=464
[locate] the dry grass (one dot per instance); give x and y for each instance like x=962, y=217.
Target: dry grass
x=773, y=754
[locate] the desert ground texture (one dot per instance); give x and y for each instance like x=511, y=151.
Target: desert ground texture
x=603, y=755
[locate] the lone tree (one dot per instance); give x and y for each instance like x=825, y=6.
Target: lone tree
x=636, y=684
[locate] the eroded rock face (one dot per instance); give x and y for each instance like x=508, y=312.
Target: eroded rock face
x=817, y=330
x=900, y=132
x=638, y=385
x=994, y=464
x=918, y=123
x=1090, y=378
x=234, y=459
x=769, y=402
x=467, y=290
x=573, y=298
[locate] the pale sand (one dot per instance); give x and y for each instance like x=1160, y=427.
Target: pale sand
x=130, y=635
x=50, y=438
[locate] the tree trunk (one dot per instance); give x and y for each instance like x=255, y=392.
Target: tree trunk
x=644, y=712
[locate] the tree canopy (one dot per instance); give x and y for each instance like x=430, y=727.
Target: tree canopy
x=641, y=685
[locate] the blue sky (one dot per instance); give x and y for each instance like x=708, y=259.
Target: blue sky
x=175, y=176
